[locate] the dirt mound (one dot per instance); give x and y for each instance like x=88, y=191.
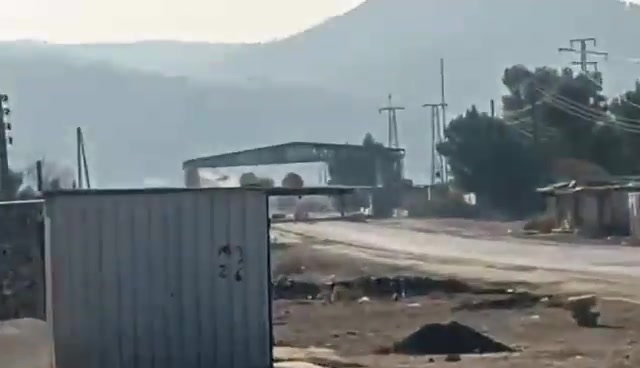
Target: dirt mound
x=450, y=338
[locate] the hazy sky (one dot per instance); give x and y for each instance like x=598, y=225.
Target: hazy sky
x=127, y=20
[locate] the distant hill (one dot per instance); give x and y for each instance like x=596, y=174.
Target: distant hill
x=171, y=58
x=142, y=125
x=148, y=105
x=395, y=45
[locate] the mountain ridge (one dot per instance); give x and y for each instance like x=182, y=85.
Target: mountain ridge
x=181, y=100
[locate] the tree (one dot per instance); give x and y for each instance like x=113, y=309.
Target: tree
x=552, y=119
x=248, y=179
x=626, y=110
x=490, y=158
x=265, y=182
x=293, y=181
x=569, y=112
x=359, y=169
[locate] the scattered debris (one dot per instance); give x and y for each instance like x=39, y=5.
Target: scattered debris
x=452, y=358
x=340, y=293
x=319, y=356
x=582, y=312
x=519, y=300
x=451, y=338
x=399, y=287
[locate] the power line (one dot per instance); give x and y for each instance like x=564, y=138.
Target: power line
x=590, y=110
x=392, y=122
x=585, y=113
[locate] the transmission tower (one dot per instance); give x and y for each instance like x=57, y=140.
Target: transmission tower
x=438, y=164
x=393, y=122
x=584, y=53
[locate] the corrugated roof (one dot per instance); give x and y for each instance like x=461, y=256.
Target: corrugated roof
x=571, y=187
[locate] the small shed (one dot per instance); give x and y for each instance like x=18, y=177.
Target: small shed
x=159, y=278
x=595, y=209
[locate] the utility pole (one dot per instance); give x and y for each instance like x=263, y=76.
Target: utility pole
x=82, y=166
x=393, y=122
x=79, y=158
x=5, y=140
x=584, y=53
x=493, y=108
x=39, y=182
x=445, y=168
x=437, y=160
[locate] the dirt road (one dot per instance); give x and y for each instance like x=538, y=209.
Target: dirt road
x=611, y=270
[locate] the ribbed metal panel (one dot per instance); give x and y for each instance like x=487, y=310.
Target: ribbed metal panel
x=634, y=216
x=160, y=280
x=21, y=260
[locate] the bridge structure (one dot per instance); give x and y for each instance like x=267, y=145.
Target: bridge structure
x=388, y=161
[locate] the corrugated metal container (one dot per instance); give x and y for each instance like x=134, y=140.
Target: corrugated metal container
x=634, y=215
x=159, y=278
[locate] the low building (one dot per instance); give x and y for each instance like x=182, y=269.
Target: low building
x=594, y=209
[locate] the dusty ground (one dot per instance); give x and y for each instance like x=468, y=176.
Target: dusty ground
x=610, y=270
x=547, y=337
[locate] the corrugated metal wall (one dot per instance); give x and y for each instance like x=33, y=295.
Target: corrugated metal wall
x=22, y=283
x=160, y=279
x=634, y=215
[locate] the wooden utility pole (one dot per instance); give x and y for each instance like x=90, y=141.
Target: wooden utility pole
x=445, y=167
x=5, y=140
x=492, y=104
x=82, y=166
x=39, y=180
x=391, y=110
x=79, y=158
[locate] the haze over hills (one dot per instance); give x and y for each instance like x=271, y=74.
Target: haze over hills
x=148, y=105
x=141, y=125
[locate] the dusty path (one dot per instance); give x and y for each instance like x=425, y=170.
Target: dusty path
x=609, y=270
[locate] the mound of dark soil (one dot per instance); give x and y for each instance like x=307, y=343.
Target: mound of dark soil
x=451, y=338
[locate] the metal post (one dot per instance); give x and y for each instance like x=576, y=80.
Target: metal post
x=39, y=176
x=5, y=178
x=79, y=157
x=445, y=168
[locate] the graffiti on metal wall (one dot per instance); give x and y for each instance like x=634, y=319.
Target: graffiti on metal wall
x=231, y=262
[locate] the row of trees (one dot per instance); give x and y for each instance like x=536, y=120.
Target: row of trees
x=291, y=180
x=549, y=116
